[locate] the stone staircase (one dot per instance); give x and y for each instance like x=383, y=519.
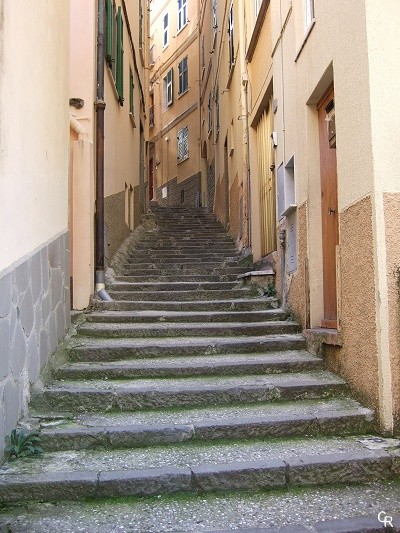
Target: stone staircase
x=189, y=382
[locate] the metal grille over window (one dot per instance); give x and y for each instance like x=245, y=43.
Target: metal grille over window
x=183, y=146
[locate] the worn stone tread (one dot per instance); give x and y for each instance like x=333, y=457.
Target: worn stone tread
x=345, y=509
x=188, y=468
x=89, y=349
x=188, y=329
x=188, y=316
x=274, y=362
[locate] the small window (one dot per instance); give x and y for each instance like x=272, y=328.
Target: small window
x=165, y=30
x=217, y=110
x=168, y=88
x=210, y=112
x=131, y=94
x=183, y=146
x=183, y=75
x=309, y=13
x=182, y=14
x=257, y=7
x=203, y=57
x=230, y=35
x=214, y=17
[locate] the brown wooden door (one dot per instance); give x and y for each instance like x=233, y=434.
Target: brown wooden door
x=329, y=209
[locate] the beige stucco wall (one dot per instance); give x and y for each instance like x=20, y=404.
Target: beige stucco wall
x=34, y=126
x=391, y=210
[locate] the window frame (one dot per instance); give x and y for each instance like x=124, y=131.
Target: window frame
x=168, y=82
x=182, y=14
x=165, y=30
x=183, y=144
x=231, y=49
x=309, y=14
x=183, y=75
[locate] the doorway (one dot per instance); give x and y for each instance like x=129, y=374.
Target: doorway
x=329, y=206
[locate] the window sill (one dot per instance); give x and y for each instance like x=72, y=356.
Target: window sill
x=307, y=35
x=230, y=76
x=183, y=159
x=178, y=31
x=132, y=119
x=183, y=93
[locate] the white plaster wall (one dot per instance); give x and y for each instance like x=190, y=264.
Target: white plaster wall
x=34, y=127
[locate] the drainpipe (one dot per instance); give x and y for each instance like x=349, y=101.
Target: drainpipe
x=100, y=106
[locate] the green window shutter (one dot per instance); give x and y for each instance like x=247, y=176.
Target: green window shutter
x=109, y=44
x=120, y=57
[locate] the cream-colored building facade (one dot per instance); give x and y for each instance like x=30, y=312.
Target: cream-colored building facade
x=174, y=115
x=34, y=236
x=48, y=79
x=313, y=79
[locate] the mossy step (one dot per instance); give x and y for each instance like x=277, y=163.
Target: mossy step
x=190, y=468
x=340, y=509
x=130, y=395
x=187, y=329
x=188, y=316
x=150, y=428
x=88, y=349
x=232, y=364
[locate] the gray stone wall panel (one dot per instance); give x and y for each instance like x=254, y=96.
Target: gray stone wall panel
x=34, y=317
x=5, y=295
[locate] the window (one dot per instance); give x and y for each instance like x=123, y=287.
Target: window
x=210, y=112
x=230, y=35
x=309, y=13
x=203, y=57
x=114, y=46
x=131, y=95
x=257, y=6
x=140, y=24
x=183, y=147
x=151, y=55
x=217, y=110
x=168, y=88
x=214, y=17
x=182, y=14
x=165, y=30
x=183, y=75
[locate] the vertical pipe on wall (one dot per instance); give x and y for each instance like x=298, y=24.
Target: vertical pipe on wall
x=100, y=107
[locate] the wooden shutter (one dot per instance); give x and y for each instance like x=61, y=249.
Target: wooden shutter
x=109, y=44
x=120, y=57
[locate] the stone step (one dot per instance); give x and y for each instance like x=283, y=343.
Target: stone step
x=118, y=349
x=187, y=329
x=178, y=256
x=188, y=316
x=183, y=296
x=239, y=304
x=341, y=509
x=128, y=395
x=150, y=278
x=178, y=264
x=151, y=428
x=186, y=270
x=219, y=365
x=190, y=468
x=174, y=286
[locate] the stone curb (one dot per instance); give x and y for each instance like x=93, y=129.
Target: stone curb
x=271, y=474
x=91, y=399
x=134, y=436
